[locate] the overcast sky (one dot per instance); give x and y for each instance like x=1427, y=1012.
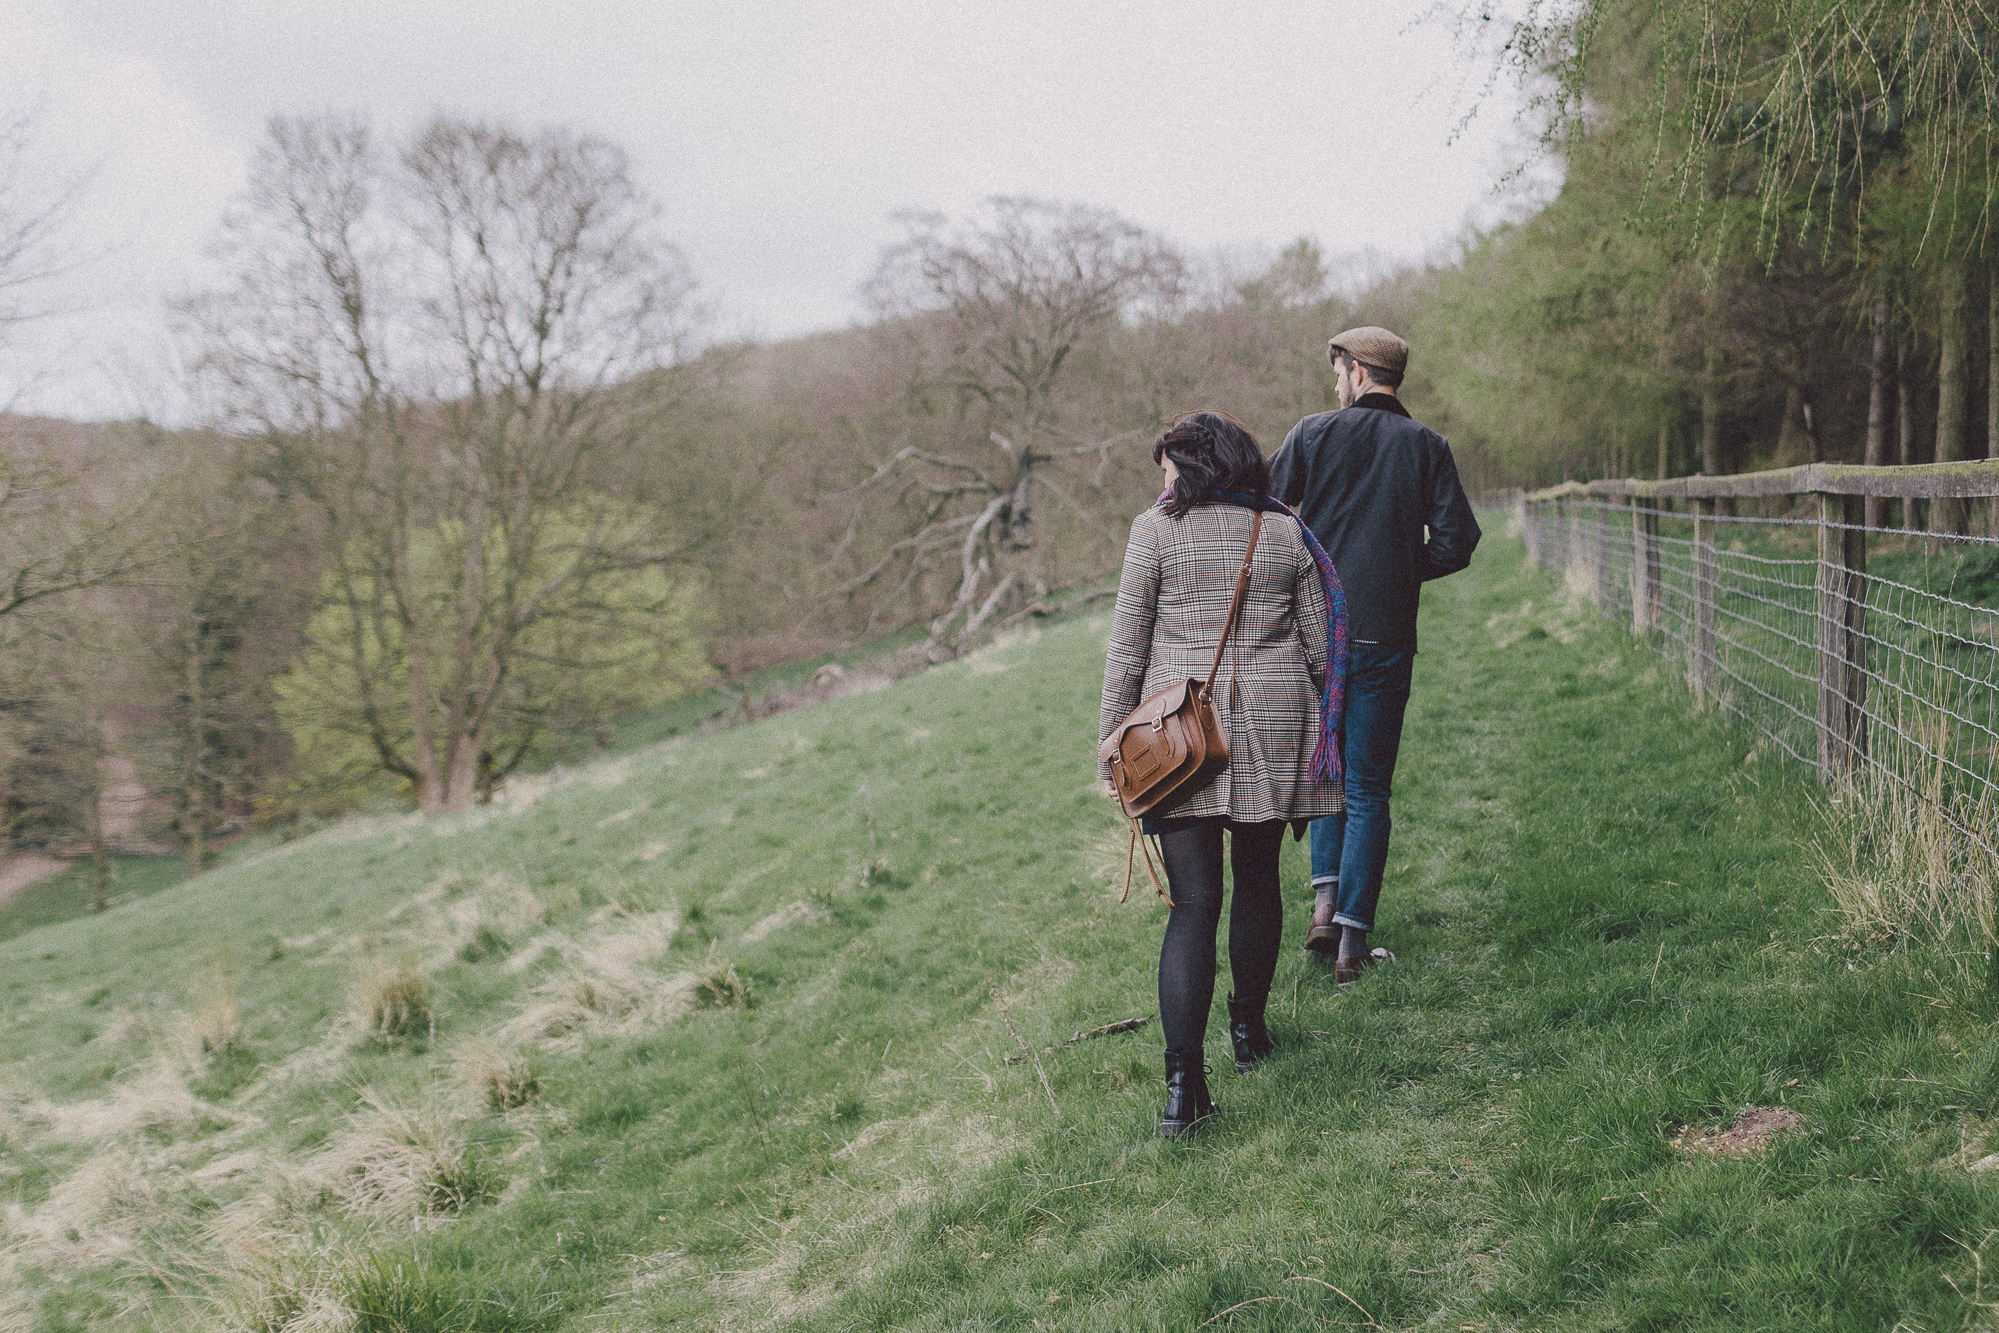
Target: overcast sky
x=780, y=137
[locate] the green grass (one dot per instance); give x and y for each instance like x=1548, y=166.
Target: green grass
x=1606, y=926
x=70, y=893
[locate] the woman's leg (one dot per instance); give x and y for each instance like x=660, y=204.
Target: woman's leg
x=1256, y=915
x=1192, y=850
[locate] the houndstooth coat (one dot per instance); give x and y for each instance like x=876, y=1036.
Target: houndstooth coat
x=1172, y=601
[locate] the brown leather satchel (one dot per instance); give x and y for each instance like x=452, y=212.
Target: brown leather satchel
x=1172, y=744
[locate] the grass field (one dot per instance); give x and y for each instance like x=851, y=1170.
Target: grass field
x=756, y=993
x=70, y=894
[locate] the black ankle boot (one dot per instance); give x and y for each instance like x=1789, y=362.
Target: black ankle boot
x=1187, y=1100
x=1251, y=1037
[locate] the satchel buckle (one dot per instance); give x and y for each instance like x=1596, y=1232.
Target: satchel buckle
x=1159, y=724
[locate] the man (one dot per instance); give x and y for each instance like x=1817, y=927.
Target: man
x=1368, y=480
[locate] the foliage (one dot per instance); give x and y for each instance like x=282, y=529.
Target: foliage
x=1804, y=107
x=1772, y=215
x=601, y=643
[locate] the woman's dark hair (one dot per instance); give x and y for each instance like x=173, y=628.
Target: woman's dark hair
x=1214, y=452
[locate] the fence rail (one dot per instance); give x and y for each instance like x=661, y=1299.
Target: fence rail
x=1778, y=616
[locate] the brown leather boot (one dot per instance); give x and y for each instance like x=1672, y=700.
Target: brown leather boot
x=1346, y=971
x=1324, y=936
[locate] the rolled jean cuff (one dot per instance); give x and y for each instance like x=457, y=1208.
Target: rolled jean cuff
x=1317, y=880
x=1342, y=919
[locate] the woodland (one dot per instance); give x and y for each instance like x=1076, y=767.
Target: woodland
x=477, y=484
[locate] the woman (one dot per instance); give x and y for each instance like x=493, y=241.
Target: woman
x=1279, y=706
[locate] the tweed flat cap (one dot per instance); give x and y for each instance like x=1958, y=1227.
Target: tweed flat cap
x=1372, y=346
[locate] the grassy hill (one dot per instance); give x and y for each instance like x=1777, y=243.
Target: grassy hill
x=747, y=1030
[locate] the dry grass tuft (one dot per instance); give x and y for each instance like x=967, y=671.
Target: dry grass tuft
x=214, y=1025
x=258, y=1264
x=397, y=1163
x=503, y=1079
x=609, y=981
x=391, y=1001
x=95, y=1215
x=158, y=1102
x=1899, y=868
x=720, y=988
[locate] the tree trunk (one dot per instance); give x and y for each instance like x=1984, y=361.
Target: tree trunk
x=461, y=788
x=193, y=797
x=100, y=849
x=1711, y=412
x=1905, y=430
x=1711, y=463
x=1947, y=515
x=1992, y=382
x=1784, y=431
x=999, y=543
x=1877, y=412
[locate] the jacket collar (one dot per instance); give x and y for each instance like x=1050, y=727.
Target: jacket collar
x=1382, y=402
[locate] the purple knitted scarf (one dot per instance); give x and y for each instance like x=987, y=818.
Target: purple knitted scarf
x=1326, y=764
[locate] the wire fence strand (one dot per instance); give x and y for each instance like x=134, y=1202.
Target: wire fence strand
x=1891, y=670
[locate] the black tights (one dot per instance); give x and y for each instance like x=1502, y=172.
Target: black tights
x=1193, y=853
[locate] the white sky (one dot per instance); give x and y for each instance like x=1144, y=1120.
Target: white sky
x=779, y=136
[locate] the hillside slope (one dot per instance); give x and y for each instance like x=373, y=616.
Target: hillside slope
x=756, y=993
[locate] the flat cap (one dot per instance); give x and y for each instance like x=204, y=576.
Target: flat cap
x=1372, y=346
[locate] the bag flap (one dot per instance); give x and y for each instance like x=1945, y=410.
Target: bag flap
x=1168, y=701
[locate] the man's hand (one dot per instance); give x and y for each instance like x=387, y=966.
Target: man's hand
x=1110, y=789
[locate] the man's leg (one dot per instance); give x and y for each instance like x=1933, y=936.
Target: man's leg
x=1328, y=836
x=1377, y=696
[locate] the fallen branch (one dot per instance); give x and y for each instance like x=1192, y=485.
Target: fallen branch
x=1029, y=1051
x=1109, y=1029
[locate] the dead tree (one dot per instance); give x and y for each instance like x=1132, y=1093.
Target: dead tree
x=995, y=309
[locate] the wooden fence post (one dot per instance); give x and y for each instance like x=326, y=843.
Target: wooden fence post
x=1703, y=672
x=1842, y=688
x=1644, y=565
x=1600, y=533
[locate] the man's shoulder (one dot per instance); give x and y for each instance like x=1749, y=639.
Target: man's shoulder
x=1364, y=420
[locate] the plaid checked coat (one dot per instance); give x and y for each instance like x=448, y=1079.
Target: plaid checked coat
x=1171, y=603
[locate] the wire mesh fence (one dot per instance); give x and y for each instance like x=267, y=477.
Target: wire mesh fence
x=1871, y=654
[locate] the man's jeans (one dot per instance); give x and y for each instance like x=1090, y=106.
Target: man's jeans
x=1354, y=845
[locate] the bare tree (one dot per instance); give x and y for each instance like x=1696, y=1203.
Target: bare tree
x=35, y=207
x=462, y=354
x=1000, y=307
x=57, y=534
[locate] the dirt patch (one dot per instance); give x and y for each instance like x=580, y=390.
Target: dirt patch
x=18, y=872
x=1751, y=1132
x=833, y=681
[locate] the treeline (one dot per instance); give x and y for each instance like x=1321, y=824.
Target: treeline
x=1772, y=245
x=471, y=495
x=477, y=485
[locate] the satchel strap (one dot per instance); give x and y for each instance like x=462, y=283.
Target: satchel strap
x=1130, y=850
x=1235, y=603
